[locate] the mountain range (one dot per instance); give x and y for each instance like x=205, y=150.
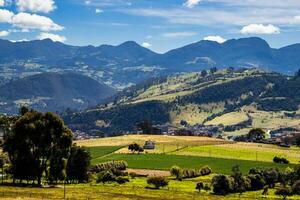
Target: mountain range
x=52, y=92
x=129, y=63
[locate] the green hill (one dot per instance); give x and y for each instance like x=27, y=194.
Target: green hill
x=225, y=97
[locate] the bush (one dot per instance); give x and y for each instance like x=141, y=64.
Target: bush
x=118, y=172
x=284, y=192
x=222, y=184
x=271, y=177
x=206, y=187
x=106, y=177
x=277, y=159
x=189, y=173
x=120, y=165
x=122, y=180
x=199, y=186
x=257, y=181
x=176, y=171
x=158, y=182
x=206, y=170
x=296, y=188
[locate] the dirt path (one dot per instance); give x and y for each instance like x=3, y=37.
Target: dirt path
x=148, y=172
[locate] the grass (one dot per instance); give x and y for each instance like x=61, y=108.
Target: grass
x=134, y=190
x=229, y=119
x=100, y=151
x=243, y=151
x=166, y=161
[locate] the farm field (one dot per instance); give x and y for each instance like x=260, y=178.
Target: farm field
x=166, y=161
x=243, y=151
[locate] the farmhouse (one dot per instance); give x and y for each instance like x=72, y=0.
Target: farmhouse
x=149, y=144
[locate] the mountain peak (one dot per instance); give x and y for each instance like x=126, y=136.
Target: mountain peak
x=250, y=41
x=131, y=44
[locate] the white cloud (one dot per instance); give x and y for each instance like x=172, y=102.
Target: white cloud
x=27, y=21
x=44, y=6
x=146, y=45
x=4, y=33
x=33, y=21
x=87, y=2
x=98, y=11
x=2, y=2
x=215, y=38
x=53, y=37
x=6, y=16
x=191, y=3
x=178, y=34
x=260, y=29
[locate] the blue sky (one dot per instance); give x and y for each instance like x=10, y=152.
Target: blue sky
x=160, y=25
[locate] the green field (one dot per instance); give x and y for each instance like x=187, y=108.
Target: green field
x=242, y=152
x=100, y=151
x=166, y=161
x=134, y=190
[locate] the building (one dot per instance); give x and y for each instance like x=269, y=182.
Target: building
x=149, y=144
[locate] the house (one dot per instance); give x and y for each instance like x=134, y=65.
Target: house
x=149, y=144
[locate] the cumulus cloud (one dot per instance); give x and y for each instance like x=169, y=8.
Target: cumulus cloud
x=2, y=2
x=44, y=6
x=6, y=16
x=191, y=3
x=179, y=34
x=260, y=29
x=98, y=11
x=146, y=45
x=4, y=33
x=53, y=37
x=215, y=38
x=27, y=21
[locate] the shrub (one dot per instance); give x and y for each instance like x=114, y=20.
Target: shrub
x=257, y=181
x=122, y=180
x=176, y=171
x=222, y=184
x=120, y=165
x=296, y=188
x=284, y=192
x=189, y=173
x=206, y=170
x=206, y=187
x=106, y=177
x=118, y=172
x=199, y=186
x=158, y=181
x=277, y=159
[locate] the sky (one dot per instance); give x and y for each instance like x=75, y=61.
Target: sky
x=159, y=25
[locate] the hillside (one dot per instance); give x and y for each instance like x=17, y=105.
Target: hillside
x=129, y=63
x=238, y=99
x=52, y=92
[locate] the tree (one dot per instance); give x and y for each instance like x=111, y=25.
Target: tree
x=257, y=181
x=213, y=70
x=206, y=170
x=284, y=192
x=199, y=186
x=256, y=134
x=176, y=171
x=158, y=181
x=204, y=73
x=241, y=184
x=145, y=126
x=35, y=138
x=222, y=184
x=78, y=164
x=271, y=177
x=135, y=148
x=296, y=188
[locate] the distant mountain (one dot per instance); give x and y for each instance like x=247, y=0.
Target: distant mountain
x=238, y=99
x=129, y=63
x=52, y=92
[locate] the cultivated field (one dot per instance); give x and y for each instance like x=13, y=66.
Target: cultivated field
x=189, y=152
